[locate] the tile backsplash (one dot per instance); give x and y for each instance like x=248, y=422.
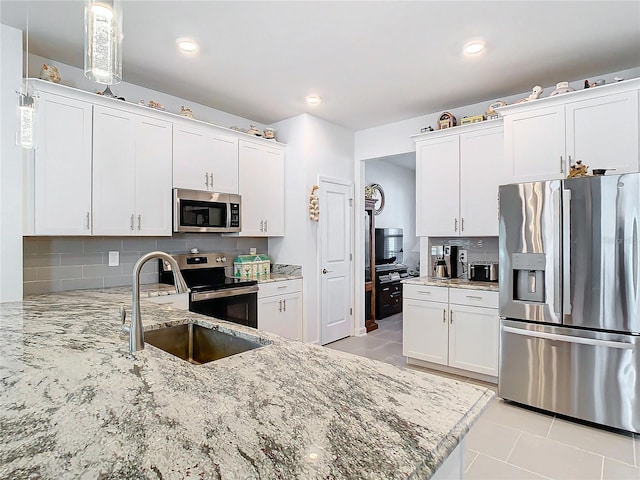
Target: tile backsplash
x=54, y=264
x=479, y=249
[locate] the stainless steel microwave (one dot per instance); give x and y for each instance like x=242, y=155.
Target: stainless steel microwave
x=201, y=211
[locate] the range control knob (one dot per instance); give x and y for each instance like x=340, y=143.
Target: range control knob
x=224, y=259
x=218, y=259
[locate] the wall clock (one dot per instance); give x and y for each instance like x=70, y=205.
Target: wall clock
x=374, y=191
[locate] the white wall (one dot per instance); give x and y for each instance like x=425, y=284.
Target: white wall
x=315, y=148
x=393, y=138
x=399, y=185
x=11, y=162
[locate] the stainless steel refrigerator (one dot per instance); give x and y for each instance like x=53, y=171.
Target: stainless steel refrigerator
x=570, y=297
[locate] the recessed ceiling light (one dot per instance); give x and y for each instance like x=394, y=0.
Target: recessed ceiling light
x=313, y=99
x=187, y=45
x=474, y=47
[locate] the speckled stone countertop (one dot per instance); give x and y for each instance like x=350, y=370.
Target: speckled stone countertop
x=453, y=283
x=279, y=277
x=74, y=404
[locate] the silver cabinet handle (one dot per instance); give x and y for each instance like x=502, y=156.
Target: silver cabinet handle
x=451, y=316
x=444, y=315
x=424, y=292
x=211, y=175
x=462, y=224
x=131, y=222
x=284, y=304
x=262, y=225
x=265, y=226
x=455, y=224
x=474, y=297
x=88, y=221
x=561, y=165
x=279, y=305
x=139, y=221
x=206, y=179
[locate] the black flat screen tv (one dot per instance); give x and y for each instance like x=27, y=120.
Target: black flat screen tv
x=388, y=245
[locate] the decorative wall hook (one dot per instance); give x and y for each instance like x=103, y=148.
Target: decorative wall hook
x=314, y=205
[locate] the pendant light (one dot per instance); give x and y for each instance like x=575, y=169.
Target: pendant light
x=25, y=127
x=103, y=41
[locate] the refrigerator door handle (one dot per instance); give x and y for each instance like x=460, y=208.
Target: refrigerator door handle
x=569, y=338
x=566, y=252
x=557, y=235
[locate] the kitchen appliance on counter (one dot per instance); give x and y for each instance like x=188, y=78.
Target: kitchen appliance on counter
x=445, y=261
x=570, y=297
x=483, y=271
x=212, y=292
x=202, y=211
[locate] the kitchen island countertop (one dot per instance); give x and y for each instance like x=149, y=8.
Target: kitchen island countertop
x=74, y=404
x=452, y=283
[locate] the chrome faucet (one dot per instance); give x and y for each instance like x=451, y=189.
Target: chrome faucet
x=136, y=333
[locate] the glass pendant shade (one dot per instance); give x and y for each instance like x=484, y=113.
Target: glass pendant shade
x=103, y=42
x=25, y=137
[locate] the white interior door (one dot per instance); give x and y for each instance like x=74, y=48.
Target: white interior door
x=336, y=218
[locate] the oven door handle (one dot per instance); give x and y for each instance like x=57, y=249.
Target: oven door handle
x=227, y=292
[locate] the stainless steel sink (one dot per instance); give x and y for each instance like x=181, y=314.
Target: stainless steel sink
x=197, y=344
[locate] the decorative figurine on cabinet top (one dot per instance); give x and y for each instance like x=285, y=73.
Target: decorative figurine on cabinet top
x=578, y=170
x=562, y=87
x=269, y=134
x=473, y=119
x=491, y=109
x=446, y=120
x=426, y=129
x=49, y=73
x=597, y=83
x=254, y=131
x=185, y=112
x=534, y=95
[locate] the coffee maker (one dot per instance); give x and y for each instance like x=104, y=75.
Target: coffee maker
x=445, y=261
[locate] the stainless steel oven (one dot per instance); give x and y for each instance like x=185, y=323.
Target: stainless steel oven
x=213, y=293
x=201, y=211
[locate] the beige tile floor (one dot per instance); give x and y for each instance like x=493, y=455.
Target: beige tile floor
x=511, y=442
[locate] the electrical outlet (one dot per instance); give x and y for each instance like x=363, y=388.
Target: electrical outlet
x=114, y=259
x=462, y=256
x=252, y=251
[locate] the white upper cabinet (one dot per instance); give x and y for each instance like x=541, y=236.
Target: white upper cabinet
x=457, y=178
x=598, y=126
x=61, y=182
x=481, y=172
x=204, y=159
x=261, y=186
x=131, y=174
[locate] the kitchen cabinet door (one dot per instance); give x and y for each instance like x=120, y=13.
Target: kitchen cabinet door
x=153, y=199
x=534, y=145
x=425, y=331
x=261, y=186
x=113, y=171
x=204, y=159
x=437, y=187
x=282, y=315
x=481, y=167
x=62, y=169
x=603, y=132
x=474, y=334
x=131, y=174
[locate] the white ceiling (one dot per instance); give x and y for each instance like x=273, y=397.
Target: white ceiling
x=372, y=62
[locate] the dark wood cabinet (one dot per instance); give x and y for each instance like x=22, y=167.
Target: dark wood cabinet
x=370, y=267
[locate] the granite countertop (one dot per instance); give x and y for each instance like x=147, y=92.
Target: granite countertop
x=75, y=404
x=453, y=283
x=279, y=277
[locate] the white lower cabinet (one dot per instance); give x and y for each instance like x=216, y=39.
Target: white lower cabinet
x=280, y=308
x=457, y=328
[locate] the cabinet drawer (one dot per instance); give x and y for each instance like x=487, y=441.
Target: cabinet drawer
x=279, y=288
x=426, y=292
x=474, y=298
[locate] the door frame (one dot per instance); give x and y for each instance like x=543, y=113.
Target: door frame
x=347, y=183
